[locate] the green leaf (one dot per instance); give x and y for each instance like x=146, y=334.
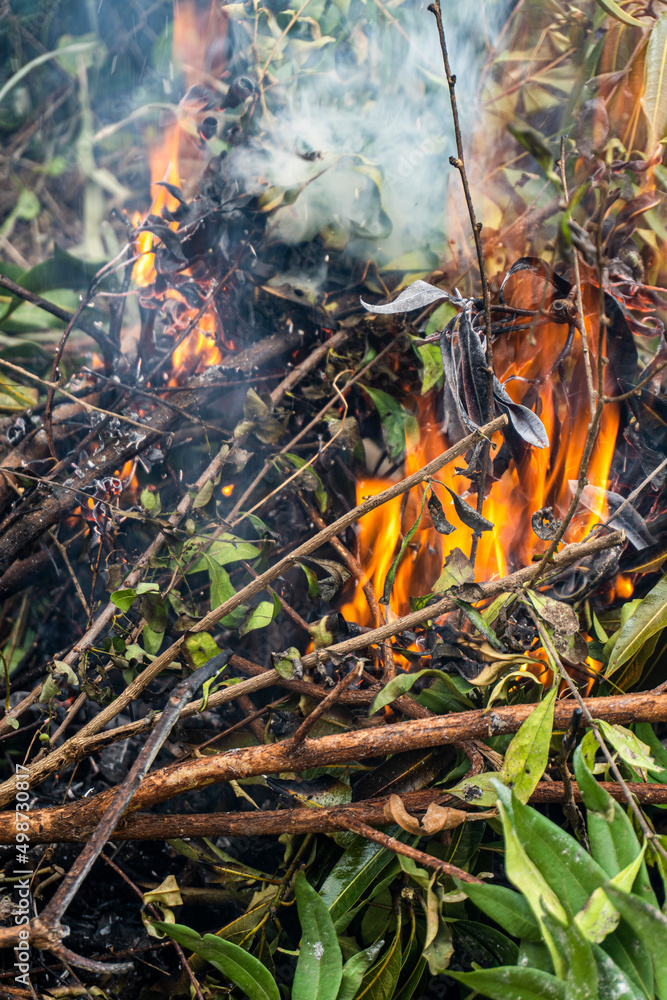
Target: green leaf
x=528, y=753
x=319, y=969
x=506, y=907
x=512, y=983
x=151, y=640
x=380, y=981
x=261, y=615
x=480, y=789
x=570, y=872
x=204, y=495
x=611, y=835
x=151, y=607
x=650, y=926
x=650, y=615
x=200, y=648
x=124, y=599
x=232, y=961
x=407, y=538
x=629, y=748
x=581, y=974
x=396, y=421
x=354, y=970
x=353, y=874
x=612, y=980
x=613, y=9
x=598, y=917
x=403, y=682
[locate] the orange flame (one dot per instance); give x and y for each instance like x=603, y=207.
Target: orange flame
x=542, y=478
x=178, y=159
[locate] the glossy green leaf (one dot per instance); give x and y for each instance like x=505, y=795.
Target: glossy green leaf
x=650, y=926
x=581, y=974
x=611, y=835
x=654, y=97
x=320, y=966
x=509, y=909
x=512, y=983
x=380, y=981
x=612, y=980
x=650, y=616
x=598, y=917
x=232, y=961
x=571, y=873
x=528, y=753
x=353, y=874
x=403, y=682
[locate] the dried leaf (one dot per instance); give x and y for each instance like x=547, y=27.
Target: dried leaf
x=438, y=818
x=527, y=424
x=654, y=98
x=395, y=812
x=594, y=498
x=474, y=371
x=469, y=515
x=440, y=522
x=418, y=295
x=457, y=571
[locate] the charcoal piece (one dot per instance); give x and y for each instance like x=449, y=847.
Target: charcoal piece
x=440, y=522
x=545, y=523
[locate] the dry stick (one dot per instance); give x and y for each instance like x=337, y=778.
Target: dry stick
x=458, y=161
x=555, y=659
x=209, y=474
x=324, y=706
x=327, y=751
x=54, y=387
x=47, y=930
x=78, y=746
x=55, y=760
x=56, y=828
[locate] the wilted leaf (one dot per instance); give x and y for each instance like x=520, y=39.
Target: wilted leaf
x=440, y=522
x=613, y=9
x=418, y=295
x=457, y=571
x=395, y=812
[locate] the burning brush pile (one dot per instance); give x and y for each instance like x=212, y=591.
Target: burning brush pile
x=305, y=531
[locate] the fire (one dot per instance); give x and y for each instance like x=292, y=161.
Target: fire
x=542, y=479
x=178, y=159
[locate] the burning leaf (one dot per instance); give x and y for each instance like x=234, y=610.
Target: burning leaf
x=457, y=571
x=440, y=522
x=469, y=515
x=474, y=370
x=620, y=345
x=418, y=295
x=545, y=523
